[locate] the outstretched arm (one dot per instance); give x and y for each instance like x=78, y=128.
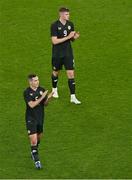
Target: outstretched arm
x=77, y=35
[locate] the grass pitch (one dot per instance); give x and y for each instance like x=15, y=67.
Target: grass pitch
x=93, y=140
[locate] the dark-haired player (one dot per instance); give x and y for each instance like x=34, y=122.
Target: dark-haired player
x=36, y=98
x=62, y=33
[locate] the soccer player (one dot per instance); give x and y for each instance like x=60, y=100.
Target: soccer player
x=62, y=33
x=35, y=98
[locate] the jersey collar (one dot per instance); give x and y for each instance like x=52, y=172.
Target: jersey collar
x=33, y=89
x=62, y=23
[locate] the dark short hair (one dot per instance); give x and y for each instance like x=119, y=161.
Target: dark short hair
x=64, y=9
x=30, y=76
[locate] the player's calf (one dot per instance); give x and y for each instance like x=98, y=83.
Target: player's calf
x=54, y=86
x=73, y=99
x=34, y=147
x=34, y=153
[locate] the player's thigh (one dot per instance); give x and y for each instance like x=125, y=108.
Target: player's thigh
x=56, y=63
x=40, y=128
x=31, y=126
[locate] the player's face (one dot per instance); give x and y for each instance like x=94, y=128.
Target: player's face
x=34, y=82
x=65, y=15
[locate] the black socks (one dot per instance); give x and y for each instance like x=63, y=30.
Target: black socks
x=54, y=81
x=34, y=152
x=71, y=83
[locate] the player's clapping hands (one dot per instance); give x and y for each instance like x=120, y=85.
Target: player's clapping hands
x=50, y=95
x=76, y=35
x=71, y=35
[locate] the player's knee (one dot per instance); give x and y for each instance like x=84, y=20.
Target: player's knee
x=34, y=141
x=70, y=74
x=55, y=73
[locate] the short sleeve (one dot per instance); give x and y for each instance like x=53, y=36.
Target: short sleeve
x=27, y=97
x=53, y=30
x=72, y=27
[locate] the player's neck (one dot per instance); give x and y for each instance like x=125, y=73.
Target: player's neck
x=63, y=21
x=33, y=88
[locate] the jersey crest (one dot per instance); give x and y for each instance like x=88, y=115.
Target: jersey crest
x=69, y=27
x=41, y=92
x=59, y=28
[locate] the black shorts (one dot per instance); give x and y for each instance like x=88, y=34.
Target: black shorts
x=33, y=126
x=57, y=63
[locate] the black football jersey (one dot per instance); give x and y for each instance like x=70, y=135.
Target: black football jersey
x=36, y=113
x=60, y=31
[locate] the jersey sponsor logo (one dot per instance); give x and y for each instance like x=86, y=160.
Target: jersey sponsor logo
x=69, y=27
x=41, y=92
x=59, y=28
